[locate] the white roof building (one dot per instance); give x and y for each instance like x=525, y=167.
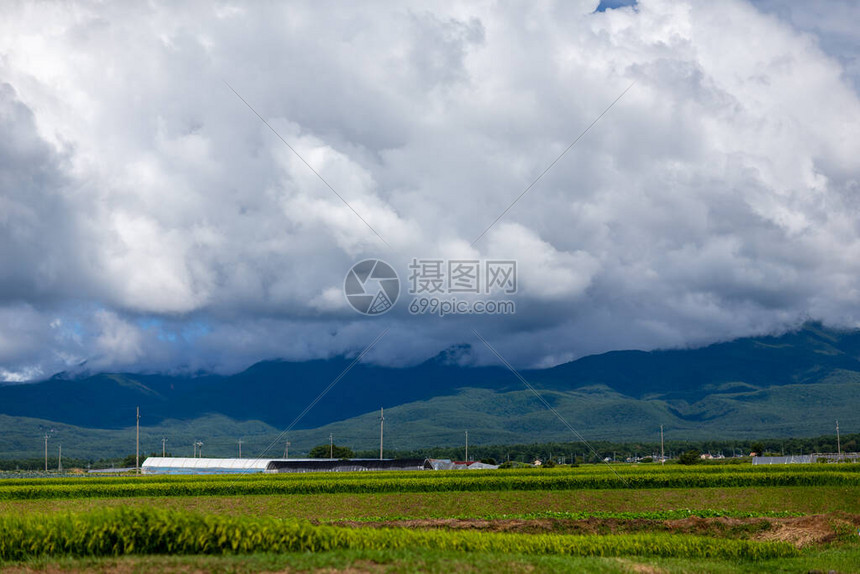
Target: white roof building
x=177, y=465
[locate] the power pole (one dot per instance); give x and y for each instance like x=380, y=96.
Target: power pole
x=163, y=447
x=60, y=459
x=838, y=443
x=137, y=447
x=240, y=448
x=381, y=425
x=467, y=446
x=330, y=446
x=287, y=450
x=46, y=452
x=662, y=450
x=194, y=445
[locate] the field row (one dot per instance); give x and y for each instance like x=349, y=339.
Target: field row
x=674, y=514
x=478, y=504
x=463, y=482
x=117, y=532
x=613, y=470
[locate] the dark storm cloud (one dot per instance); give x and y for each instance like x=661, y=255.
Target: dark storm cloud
x=150, y=221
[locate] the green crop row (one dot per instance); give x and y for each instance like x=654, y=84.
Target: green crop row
x=424, y=483
x=146, y=531
x=591, y=470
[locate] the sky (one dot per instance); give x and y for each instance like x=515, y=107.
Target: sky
x=184, y=189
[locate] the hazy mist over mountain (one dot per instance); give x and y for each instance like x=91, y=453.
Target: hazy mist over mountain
x=793, y=385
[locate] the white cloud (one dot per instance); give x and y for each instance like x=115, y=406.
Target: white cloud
x=117, y=343
x=544, y=272
x=149, y=220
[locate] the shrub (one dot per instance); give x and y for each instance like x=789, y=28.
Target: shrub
x=690, y=457
x=327, y=450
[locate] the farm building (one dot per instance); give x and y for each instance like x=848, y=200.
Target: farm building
x=808, y=458
x=176, y=465
x=446, y=464
x=794, y=459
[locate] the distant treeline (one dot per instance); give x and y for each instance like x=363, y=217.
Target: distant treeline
x=39, y=463
x=71, y=463
x=621, y=451
x=569, y=451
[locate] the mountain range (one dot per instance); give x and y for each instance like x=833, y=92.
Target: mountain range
x=795, y=384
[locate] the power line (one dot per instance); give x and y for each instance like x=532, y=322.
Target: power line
x=315, y=172
x=549, y=407
x=544, y=172
x=662, y=451
x=381, y=425
x=137, y=444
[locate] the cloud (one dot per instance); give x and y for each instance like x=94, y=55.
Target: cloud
x=149, y=221
x=118, y=343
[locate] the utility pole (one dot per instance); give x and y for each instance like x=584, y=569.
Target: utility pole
x=838, y=443
x=662, y=450
x=137, y=447
x=330, y=446
x=60, y=459
x=467, y=446
x=194, y=445
x=46, y=452
x=240, y=448
x=287, y=450
x=163, y=447
x=381, y=425
x=200, y=444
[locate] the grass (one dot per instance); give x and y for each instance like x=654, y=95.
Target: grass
x=112, y=532
x=465, y=481
x=844, y=560
x=350, y=506
x=400, y=561
x=639, y=513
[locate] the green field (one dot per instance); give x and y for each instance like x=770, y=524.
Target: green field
x=586, y=519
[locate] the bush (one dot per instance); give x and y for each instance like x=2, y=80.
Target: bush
x=488, y=461
x=690, y=457
x=326, y=451
x=514, y=464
